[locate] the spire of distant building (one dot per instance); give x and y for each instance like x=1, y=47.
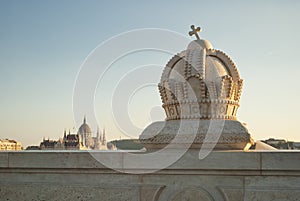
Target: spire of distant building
x=98, y=133
x=97, y=141
x=104, y=137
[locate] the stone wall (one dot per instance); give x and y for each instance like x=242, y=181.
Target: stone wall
x=223, y=175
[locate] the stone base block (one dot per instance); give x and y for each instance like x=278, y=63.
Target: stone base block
x=195, y=134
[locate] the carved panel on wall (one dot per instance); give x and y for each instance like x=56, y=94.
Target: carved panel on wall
x=192, y=194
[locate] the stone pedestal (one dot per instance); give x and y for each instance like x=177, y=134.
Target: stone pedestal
x=196, y=134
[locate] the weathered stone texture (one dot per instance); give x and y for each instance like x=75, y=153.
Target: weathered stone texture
x=221, y=176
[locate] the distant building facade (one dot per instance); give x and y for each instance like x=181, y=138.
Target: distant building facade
x=68, y=142
x=10, y=145
x=83, y=140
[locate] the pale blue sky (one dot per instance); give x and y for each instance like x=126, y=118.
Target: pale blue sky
x=43, y=44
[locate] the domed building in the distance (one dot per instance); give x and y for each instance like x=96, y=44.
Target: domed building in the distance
x=83, y=140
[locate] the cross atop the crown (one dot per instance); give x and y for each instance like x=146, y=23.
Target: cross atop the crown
x=194, y=31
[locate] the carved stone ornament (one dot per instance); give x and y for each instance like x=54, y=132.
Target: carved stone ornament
x=199, y=84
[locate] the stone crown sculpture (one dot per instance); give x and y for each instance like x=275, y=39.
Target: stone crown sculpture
x=200, y=83
x=200, y=89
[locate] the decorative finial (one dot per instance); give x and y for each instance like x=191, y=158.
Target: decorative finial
x=194, y=31
x=84, y=120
